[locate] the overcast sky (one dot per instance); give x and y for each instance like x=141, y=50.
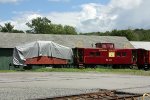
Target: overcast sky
x=85, y=15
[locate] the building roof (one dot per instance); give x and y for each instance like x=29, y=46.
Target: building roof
x=141, y=45
x=10, y=40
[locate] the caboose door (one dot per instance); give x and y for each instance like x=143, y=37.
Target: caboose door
x=80, y=54
x=134, y=56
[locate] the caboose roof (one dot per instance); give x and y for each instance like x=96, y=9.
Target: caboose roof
x=10, y=40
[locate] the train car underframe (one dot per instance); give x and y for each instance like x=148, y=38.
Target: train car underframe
x=114, y=66
x=144, y=66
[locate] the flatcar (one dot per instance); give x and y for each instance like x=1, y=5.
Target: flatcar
x=47, y=61
x=42, y=53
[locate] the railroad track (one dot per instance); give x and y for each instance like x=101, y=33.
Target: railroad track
x=101, y=95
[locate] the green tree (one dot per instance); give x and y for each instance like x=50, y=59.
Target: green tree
x=132, y=35
x=17, y=31
x=69, y=30
x=44, y=26
x=39, y=25
x=59, y=29
x=7, y=28
x=129, y=34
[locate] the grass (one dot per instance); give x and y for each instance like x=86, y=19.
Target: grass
x=7, y=71
x=96, y=70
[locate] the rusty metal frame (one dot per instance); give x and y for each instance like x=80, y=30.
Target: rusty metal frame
x=101, y=95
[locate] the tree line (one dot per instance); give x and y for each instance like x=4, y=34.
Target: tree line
x=130, y=34
x=45, y=26
x=40, y=26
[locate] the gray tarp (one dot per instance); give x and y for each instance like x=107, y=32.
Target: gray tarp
x=40, y=48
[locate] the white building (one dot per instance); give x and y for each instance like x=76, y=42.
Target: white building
x=141, y=44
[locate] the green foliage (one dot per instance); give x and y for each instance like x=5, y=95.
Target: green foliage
x=7, y=71
x=129, y=34
x=17, y=31
x=132, y=35
x=39, y=25
x=97, y=70
x=9, y=28
x=58, y=29
x=142, y=35
x=44, y=26
x=101, y=70
x=69, y=30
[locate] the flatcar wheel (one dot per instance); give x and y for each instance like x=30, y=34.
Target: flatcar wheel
x=87, y=66
x=16, y=66
x=117, y=66
x=28, y=67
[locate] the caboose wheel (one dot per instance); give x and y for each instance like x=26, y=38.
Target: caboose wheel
x=131, y=67
x=146, y=67
x=114, y=66
x=140, y=67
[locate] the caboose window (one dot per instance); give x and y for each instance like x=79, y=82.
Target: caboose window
x=111, y=46
x=118, y=54
x=104, y=46
x=124, y=54
x=92, y=54
x=98, y=54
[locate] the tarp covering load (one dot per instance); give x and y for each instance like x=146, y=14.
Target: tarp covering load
x=40, y=48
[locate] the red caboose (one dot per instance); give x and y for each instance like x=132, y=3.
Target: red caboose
x=97, y=56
